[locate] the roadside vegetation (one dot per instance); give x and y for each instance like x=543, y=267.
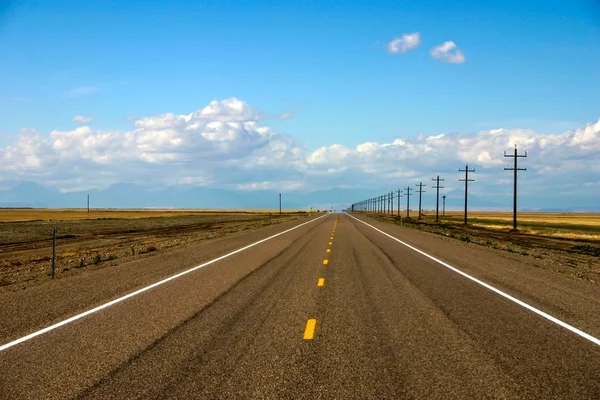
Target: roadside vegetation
x=113, y=237
x=566, y=243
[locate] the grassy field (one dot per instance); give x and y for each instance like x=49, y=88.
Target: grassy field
x=555, y=225
x=107, y=238
x=592, y=219
x=77, y=214
x=566, y=243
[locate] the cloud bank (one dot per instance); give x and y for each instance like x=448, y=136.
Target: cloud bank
x=224, y=145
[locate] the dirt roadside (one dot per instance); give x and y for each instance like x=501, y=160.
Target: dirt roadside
x=26, y=247
x=577, y=258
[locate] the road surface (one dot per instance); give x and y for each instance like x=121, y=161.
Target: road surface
x=327, y=308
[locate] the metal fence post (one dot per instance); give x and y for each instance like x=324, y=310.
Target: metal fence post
x=53, y=250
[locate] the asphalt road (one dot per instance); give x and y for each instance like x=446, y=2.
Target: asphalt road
x=333, y=309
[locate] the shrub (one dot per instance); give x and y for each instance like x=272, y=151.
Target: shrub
x=97, y=259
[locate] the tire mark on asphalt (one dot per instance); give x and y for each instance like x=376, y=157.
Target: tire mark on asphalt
x=231, y=320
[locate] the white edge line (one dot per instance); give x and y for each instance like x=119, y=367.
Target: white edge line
x=493, y=289
x=127, y=296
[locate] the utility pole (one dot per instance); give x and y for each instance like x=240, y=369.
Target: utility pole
x=88, y=203
x=280, y=204
x=466, y=181
x=444, y=209
x=387, y=203
x=408, y=194
x=515, y=169
x=420, y=185
x=437, y=198
x=399, y=195
x=392, y=203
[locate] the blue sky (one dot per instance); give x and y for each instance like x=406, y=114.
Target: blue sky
x=528, y=65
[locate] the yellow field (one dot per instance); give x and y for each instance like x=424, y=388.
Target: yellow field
x=577, y=226
x=74, y=214
x=591, y=219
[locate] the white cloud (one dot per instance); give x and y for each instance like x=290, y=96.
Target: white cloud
x=82, y=120
x=221, y=143
x=81, y=91
x=224, y=145
x=404, y=43
x=285, y=115
x=551, y=158
x=448, y=52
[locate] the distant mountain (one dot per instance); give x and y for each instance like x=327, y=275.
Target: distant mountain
x=29, y=194
x=127, y=195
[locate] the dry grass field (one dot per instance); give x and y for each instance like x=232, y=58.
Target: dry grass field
x=106, y=238
x=568, y=243
x=592, y=219
x=578, y=226
x=76, y=214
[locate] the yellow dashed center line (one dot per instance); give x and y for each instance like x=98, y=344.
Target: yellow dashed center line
x=309, y=332
x=330, y=243
x=325, y=262
x=329, y=250
x=321, y=282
